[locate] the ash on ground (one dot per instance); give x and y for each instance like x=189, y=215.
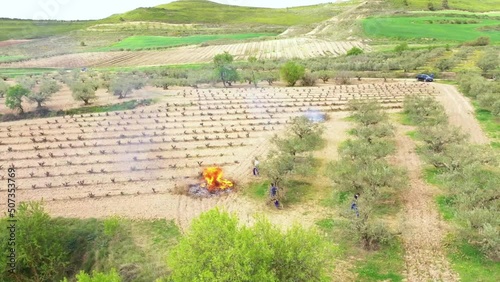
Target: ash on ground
x=200, y=190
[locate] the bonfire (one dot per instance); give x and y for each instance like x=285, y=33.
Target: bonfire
x=213, y=184
x=214, y=180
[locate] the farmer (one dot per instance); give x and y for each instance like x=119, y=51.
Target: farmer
x=274, y=191
x=273, y=194
x=354, y=204
x=256, y=167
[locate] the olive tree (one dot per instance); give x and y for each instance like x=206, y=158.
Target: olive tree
x=224, y=68
x=46, y=89
x=14, y=97
x=124, y=84
x=83, y=91
x=489, y=61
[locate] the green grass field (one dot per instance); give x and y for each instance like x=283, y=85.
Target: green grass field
x=206, y=12
x=18, y=72
x=475, y=6
x=6, y=59
x=428, y=27
x=27, y=29
x=144, y=42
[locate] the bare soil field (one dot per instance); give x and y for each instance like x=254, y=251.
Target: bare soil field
x=131, y=163
x=423, y=230
x=270, y=49
x=11, y=42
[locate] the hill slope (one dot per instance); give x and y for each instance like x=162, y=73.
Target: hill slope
x=206, y=12
x=467, y=5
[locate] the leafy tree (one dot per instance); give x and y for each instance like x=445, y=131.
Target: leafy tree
x=401, y=48
x=277, y=167
x=164, y=82
x=288, y=158
x=489, y=61
x=224, y=68
x=438, y=137
x=302, y=136
x=47, y=88
x=83, y=91
x=112, y=276
x=41, y=255
x=218, y=248
x=3, y=88
x=253, y=73
x=445, y=64
x=354, y=51
x=27, y=82
x=270, y=77
x=291, y=72
x=14, y=97
x=367, y=113
x=424, y=110
x=124, y=84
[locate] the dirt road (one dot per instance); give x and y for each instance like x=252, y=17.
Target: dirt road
x=422, y=229
x=460, y=112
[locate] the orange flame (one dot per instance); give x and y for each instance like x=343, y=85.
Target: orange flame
x=213, y=177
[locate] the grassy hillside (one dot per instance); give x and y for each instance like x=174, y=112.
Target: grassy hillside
x=28, y=29
x=475, y=6
x=202, y=11
x=146, y=42
x=432, y=27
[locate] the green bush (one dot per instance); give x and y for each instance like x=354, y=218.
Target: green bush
x=234, y=252
x=354, y=51
x=291, y=72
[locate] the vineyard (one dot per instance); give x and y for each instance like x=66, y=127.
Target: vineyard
x=158, y=150
x=266, y=50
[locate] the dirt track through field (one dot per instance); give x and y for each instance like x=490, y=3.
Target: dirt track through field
x=423, y=230
x=460, y=112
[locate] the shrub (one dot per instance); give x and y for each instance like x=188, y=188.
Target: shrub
x=259, y=253
x=480, y=41
x=401, y=48
x=343, y=77
x=445, y=64
x=309, y=79
x=291, y=72
x=354, y=51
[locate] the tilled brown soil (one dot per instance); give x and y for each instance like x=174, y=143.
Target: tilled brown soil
x=422, y=229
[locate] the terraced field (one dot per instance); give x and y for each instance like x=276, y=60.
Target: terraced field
x=131, y=163
x=271, y=49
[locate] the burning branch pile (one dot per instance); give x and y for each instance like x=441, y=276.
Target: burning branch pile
x=214, y=183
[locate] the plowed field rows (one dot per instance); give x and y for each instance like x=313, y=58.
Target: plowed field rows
x=150, y=151
x=271, y=49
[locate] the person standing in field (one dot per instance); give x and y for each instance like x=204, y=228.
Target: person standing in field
x=354, y=204
x=273, y=194
x=256, y=167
